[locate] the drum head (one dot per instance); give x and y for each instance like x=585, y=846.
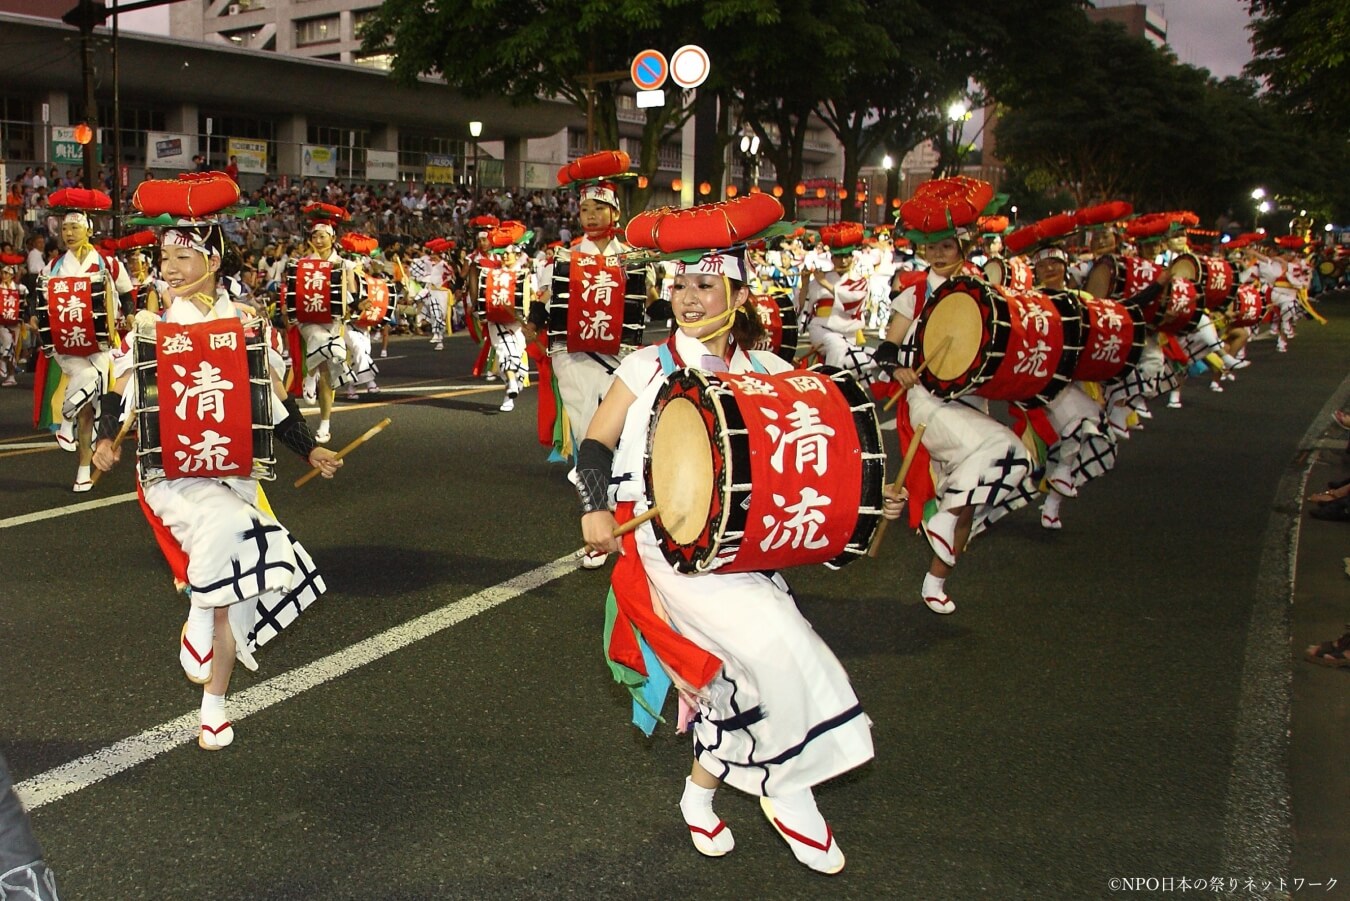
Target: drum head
x=995, y=271
x=682, y=470
x=957, y=317
x=1187, y=267
x=1100, y=277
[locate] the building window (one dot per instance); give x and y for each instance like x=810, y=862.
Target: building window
x=323, y=30
x=381, y=61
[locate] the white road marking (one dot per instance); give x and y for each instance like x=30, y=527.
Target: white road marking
x=66, y=511
x=83, y=772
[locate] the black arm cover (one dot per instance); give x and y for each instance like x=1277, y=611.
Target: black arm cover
x=594, y=462
x=294, y=432
x=538, y=315
x=109, y=416
x=1146, y=296
x=887, y=355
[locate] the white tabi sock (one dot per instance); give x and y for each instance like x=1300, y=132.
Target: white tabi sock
x=82, y=474
x=934, y=587
x=711, y=836
x=1051, y=506
x=216, y=731
x=798, y=821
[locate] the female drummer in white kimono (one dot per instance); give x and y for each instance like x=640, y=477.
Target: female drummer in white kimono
x=229, y=580
x=774, y=711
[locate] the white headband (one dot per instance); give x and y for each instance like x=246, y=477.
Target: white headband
x=730, y=265
x=601, y=192
x=77, y=217
x=180, y=237
x=324, y=226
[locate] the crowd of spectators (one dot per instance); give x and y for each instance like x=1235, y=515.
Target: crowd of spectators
x=394, y=212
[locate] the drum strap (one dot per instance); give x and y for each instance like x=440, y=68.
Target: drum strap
x=671, y=359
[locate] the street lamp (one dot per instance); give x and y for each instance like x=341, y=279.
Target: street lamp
x=958, y=113
x=1013, y=209
x=1259, y=198
x=750, y=163
x=475, y=129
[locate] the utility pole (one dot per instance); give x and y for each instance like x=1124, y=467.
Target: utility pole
x=591, y=79
x=84, y=17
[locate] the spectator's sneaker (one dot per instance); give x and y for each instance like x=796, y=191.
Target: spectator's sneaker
x=384, y=351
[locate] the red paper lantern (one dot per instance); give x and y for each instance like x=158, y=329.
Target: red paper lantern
x=895, y=203
x=677, y=186
x=83, y=133
x=777, y=190
x=642, y=181
x=801, y=189
x=754, y=189
x=704, y=188
x=820, y=193
x=861, y=196
x=842, y=193
x=878, y=199
x=731, y=191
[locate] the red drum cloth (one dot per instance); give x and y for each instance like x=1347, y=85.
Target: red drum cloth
x=1015, y=354
x=205, y=401
x=1010, y=272
x=1121, y=277
x=1249, y=305
x=778, y=315
x=595, y=304
x=499, y=295
x=313, y=300
x=798, y=438
x=1175, y=310
x=73, y=315
x=377, y=301
x=1110, y=340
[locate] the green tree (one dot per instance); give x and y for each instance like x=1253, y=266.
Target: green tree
x=1302, y=52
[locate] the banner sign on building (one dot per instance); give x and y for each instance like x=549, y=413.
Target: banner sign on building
x=66, y=151
x=318, y=162
x=166, y=150
x=440, y=170
x=381, y=165
x=249, y=155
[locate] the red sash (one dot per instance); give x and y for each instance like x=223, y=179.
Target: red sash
x=205, y=405
x=633, y=597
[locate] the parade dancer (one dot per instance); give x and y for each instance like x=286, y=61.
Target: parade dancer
x=981, y=469
x=86, y=368
x=13, y=303
x=325, y=346
x=835, y=300
x=245, y=575
x=1085, y=448
x=480, y=259
x=505, y=291
x=773, y=713
x=1286, y=274
x=357, y=331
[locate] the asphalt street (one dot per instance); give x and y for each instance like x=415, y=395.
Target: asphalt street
x=1092, y=711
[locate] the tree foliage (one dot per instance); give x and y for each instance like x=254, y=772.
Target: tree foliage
x=1302, y=52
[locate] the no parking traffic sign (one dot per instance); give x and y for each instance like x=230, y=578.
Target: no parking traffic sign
x=649, y=70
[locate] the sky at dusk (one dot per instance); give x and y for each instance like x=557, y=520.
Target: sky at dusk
x=1208, y=33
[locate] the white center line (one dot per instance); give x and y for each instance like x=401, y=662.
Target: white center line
x=83, y=772
x=66, y=511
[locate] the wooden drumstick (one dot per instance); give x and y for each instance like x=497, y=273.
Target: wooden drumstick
x=652, y=513
x=117, y=442
x=937, y=355
x=366, y=436
x=899, y=483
